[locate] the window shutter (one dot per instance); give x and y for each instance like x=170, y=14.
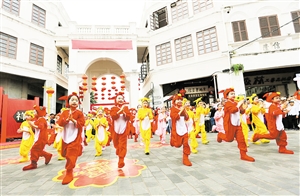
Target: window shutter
x=152, y=23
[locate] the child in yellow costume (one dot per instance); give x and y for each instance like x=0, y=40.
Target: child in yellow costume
x=27, y=136
x=145, y=116
x=258, y=111
x=102, y=134
x=89, y=125
x=191, y=125
x=243, y=118
x=58, y=139
x=201, y=111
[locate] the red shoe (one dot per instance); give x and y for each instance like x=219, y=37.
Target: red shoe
x=186, y=160
x=255, y=137
x=68, y=178
x=47, y=158
x=31, y=166
x=285, y=151
x=245, y=157
x=121, y=163
x=219, y=139
x=198, y=136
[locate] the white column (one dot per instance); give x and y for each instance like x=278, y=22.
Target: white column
x=50, y=102
x=132, y=78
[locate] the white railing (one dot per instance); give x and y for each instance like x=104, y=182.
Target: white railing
x=92, y=29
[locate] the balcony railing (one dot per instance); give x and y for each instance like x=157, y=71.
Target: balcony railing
x=92, y=29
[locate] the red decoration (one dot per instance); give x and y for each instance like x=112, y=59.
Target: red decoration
x=84, y=77
x=109, y=94
x=96, y=94
x=103, y=78
x=94, y=83
x=94, y=78
x=102, y=94
x=81, y=96
x=113, y=82
x=122, y=76
x=113, y=87
x=103, y=89
x=122, y=82
x=84, y=83
x=113, y=77
x=102, y=98
x=123, y=86
x=103, y=83
x=96, y=97
x=109, y=90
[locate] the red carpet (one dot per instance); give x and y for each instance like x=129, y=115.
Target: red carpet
x=8, y=145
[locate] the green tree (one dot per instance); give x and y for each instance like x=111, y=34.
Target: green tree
x=92, y=98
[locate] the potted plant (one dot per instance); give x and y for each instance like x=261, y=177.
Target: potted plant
x=236, y=68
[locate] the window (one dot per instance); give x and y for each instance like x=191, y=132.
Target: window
x=179, y=10
x=296, y=22
x=66, y=70
x=268, y=24
x=207, y=41
x=239, y=31
x=38, y=16
x=159, y=19
x=36, y=54
x=59, y=64
x=184, y=47
x=163, y=53
x=11, y=6
x=201, y=5
x=8, y=45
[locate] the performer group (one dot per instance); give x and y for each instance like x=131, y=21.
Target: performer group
x=233, y=117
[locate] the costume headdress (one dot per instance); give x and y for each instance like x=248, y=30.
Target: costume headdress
x=145, y=99
x=269, y=96
x=252, y=97
x=239, y=98
x=67, y=98
x=40, y=110
x=226, y=91
x=198, y=100
x=176, y=97
x=185, y=100
x=30, y=113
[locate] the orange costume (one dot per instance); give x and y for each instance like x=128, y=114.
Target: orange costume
x=40, y=139
x=232, y=124
x=179, y=133
x=120, y=115
x=72, y=120
x=275, y=125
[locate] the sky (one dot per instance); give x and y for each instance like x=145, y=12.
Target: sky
x=104, y=12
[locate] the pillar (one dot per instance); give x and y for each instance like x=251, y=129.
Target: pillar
x=51, y=106
x=132, y=78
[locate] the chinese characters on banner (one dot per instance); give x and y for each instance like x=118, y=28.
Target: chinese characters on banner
x=196, y=89
x=271, y=46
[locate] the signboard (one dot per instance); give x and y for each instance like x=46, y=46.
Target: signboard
x=19, y=116
x=196, y=89
x=197, y=95
x=268, y=80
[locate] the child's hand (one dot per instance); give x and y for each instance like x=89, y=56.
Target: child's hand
x=19, y=131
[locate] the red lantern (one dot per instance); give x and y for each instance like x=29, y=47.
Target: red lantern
x=96, y=97
x=102, y=94
x=84, y=77
x=103, y=78
x=113, y=77
x=109, y=90
x=103, y=89
x=84, y=82
x=81, y=96
x=94, y=89
x=122, y=76
x=113, y=87
x=102, y=98
x=116, y=90
x=94, y=78
x=80, y=87
x=123, y=86
x=103, y=83
x=113, y=82
x=96, y=94
x=122, y=82
x=109, y=94
x=50, y=92
x=94, y=83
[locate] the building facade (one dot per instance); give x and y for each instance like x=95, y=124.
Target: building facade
x=193, y=45
x=190, y=45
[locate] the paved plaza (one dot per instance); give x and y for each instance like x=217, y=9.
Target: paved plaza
x=217, y=170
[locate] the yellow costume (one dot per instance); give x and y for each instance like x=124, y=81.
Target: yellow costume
x=58, y=141
x=89, y=125
x=199, y=120
x=191, y=126
x=27, y=137
x=101, y=135
x=145, y=117
x=258, y=112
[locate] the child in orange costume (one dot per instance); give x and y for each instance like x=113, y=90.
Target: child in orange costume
x=120, y=115
x=27, y=136
x=179, y=133
x=109, y=120
x=232, y=124
x=40, y=138
x=275, y=125
x=72, y=120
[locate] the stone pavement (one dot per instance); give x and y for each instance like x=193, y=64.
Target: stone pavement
x=217, y=170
